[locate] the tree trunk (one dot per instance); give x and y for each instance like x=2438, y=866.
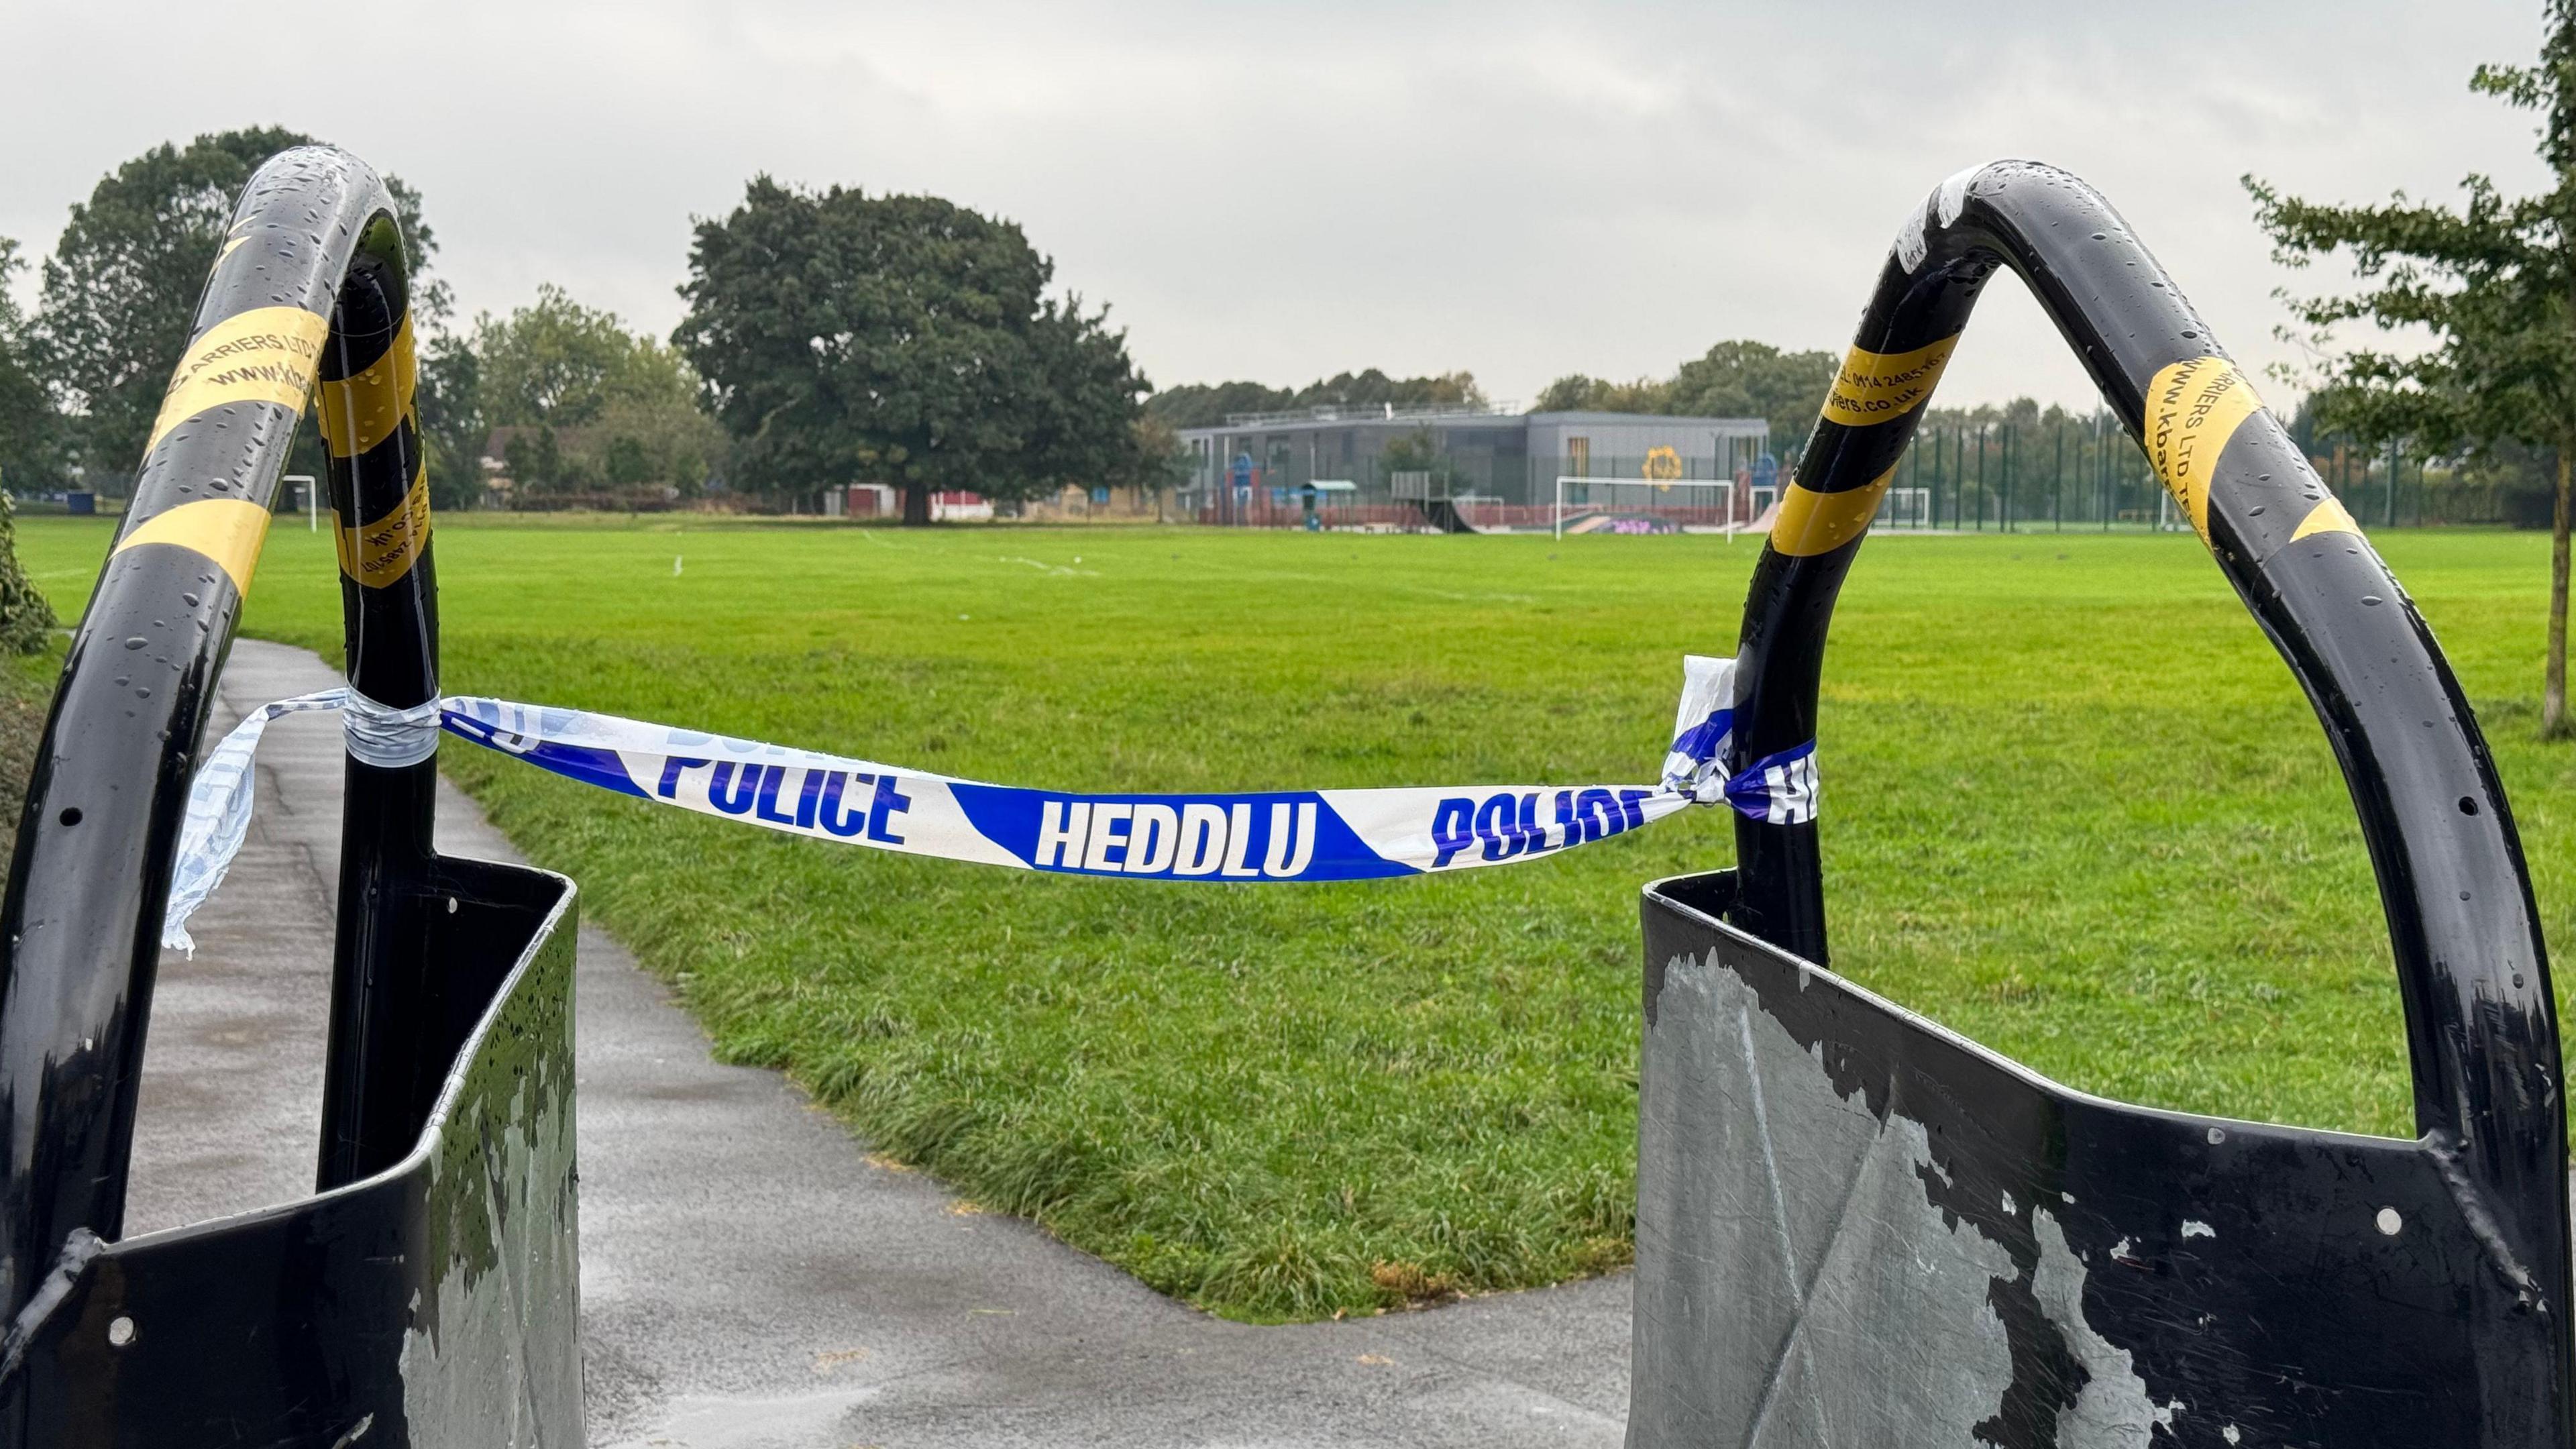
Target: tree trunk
x=2553, y=691
x=916, y=514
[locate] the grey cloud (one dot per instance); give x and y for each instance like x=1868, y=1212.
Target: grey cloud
x=1282, y=191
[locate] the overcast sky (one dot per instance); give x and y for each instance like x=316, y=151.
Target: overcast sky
x=1284, y=191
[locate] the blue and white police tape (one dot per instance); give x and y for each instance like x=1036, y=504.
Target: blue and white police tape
x=1280, y=835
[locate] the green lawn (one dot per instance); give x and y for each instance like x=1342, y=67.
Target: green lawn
x=2074, y=807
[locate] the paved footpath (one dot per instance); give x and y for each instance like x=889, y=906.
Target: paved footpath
x=750, y=1280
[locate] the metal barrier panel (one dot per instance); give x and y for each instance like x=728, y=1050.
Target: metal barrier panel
x=428, y=1293
x=436, y=1303
x=1857, y=1228
x=1854, y=1227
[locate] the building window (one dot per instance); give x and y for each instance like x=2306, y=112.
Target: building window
x=1578, y=457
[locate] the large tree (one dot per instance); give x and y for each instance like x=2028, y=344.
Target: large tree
x=1082, y=425
x=453, y=428
x=605, y=410
x=121, y=288
x=901, y=340
x=30, y=457
x=1744, y=379
x=558, y=362
x=2493, y=285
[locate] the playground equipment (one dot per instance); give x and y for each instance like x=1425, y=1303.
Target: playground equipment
x=1854, y=1227
x=1431, y=492
x=426, y=1294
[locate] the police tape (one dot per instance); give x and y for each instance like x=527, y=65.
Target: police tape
x=1279, y=835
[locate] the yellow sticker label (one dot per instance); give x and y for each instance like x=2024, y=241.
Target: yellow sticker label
x=226, y=530
x=359, y=412
x=2327, y=517
x=376, y=554
x=2193, y=408
x=1812, y=523
x=267, y=354
x=1876, y=386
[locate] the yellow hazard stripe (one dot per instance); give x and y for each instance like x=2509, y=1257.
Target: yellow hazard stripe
x=2327, y=517
x=1813, y=523
x=226, y=530
x=359, y=412
x=2193, y=408
x=1876, y=386
x=376, y=554
x=267, y=354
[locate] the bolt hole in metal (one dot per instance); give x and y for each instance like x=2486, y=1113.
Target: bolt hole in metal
x=120, y=1331
x=71, y=815
x=2468, y=806
x=2390, y=1223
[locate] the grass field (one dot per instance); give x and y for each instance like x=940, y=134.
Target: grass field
x=2073, y=807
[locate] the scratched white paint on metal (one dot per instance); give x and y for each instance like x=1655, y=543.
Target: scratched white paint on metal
x=1796, y=1288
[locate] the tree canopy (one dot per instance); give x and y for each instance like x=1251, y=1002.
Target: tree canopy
x=597, y=410
x=30, y=456
x=558, y=362
x=903, y=340
x=121, y=288
x=2492, y=283
x=1739, y=379
x=1205, y=404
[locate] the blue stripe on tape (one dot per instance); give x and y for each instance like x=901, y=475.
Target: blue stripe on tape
x=1286, y=835
x=1702, y=741
x=1777, y=789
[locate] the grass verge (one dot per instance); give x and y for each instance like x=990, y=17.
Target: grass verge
x=2074, y=808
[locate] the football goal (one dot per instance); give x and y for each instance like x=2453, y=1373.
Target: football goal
x=1640, y=505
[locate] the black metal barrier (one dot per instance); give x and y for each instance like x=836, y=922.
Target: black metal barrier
x=1854, y=1227
x=428, y=1293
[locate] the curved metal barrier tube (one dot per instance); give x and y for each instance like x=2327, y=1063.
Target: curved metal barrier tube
x=429, y=1295
x=2485, y=1219
x=92, y=869
x=385, y=1060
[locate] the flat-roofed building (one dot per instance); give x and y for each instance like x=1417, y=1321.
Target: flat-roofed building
x=1488, y=452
